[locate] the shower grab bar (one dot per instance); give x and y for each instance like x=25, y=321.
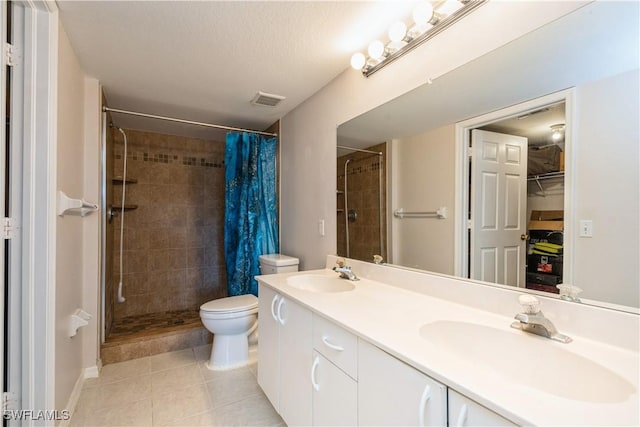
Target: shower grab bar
x=69, y=206
x=440, y=213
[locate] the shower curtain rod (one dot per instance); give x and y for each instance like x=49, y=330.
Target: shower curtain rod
x=379, y=153
x=189, y=122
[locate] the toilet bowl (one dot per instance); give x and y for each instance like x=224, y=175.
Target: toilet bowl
x=231, y=320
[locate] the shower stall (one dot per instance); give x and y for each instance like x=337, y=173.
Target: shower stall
x=172, y=240
x=361, y=201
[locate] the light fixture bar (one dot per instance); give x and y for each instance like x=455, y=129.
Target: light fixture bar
x=443, y=24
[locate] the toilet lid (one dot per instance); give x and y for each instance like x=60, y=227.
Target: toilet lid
x=231, y=304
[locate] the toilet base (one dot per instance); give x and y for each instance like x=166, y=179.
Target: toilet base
x=229, y=352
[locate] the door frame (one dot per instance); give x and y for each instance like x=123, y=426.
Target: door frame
x=34, y=132
x=462, y=194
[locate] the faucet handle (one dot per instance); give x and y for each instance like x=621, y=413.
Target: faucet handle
x=529, y=303
x=569, y=292
x=341, y=263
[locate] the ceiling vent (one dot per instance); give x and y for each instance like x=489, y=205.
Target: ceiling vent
x=267, y=99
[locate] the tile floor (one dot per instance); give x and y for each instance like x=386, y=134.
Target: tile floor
x=174, y=389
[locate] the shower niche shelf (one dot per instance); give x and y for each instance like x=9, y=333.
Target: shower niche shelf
x=126, y=207
x=118, y=180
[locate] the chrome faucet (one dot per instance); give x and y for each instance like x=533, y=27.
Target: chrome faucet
x=534, y=321
x=344, y=270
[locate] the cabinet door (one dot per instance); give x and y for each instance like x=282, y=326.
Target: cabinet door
x=391, y=392
x=465, y=412
x=295, y=362
x=268, y=343
x=335, y=394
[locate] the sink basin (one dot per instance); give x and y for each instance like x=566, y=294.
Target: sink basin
x=320, y=283
x=529, y=360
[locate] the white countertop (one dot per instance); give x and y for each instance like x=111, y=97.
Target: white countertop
x=391, y=317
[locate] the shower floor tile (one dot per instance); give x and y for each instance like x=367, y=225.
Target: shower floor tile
x=144, y=325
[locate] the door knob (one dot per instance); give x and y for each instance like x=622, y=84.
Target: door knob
x=524, y=237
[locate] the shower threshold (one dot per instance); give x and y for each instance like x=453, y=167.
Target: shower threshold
x=152, y=324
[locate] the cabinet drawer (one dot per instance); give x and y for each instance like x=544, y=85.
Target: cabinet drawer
x=336, y=344
x=465, y=412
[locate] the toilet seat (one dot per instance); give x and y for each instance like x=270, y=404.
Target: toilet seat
x=240, y=304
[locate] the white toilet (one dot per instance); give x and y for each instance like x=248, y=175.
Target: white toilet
x=233, y=320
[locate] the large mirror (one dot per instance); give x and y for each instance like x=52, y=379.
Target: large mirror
x=417, y=183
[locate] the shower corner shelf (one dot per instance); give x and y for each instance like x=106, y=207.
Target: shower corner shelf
x=126, y=207
x=119, y=180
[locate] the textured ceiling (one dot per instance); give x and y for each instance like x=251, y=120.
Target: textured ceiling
x=205, y=61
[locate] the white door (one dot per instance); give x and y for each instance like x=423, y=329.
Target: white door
x=295, y=362
x=3, y=195
x=391, y=393
x=465, y=412
x=335, y=394
x=269, y=343
x=498, y=208
x=11, y=161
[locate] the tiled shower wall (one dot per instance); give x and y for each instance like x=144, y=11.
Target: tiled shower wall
x=364, y=198
x=173, y=239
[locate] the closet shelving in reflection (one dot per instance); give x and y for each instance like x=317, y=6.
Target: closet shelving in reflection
x=551, y=176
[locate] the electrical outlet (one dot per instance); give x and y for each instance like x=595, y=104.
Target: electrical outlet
x=321, y=227
x=586, y=228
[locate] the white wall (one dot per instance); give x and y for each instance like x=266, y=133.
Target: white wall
x=69, y=253
x=309, y=131
x=423, y=168
x=608, y=154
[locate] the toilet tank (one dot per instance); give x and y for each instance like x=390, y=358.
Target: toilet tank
x=278, y=263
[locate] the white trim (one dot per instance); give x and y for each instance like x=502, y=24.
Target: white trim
x=39, y=128
x=91, y=372
x=3, y=160
x=74, y=397
x=461, y=266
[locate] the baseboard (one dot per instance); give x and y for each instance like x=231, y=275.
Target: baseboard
x=90, y=372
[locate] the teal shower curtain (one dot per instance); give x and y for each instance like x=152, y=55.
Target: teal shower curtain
x=250, y=220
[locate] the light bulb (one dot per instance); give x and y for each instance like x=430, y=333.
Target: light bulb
x=397, y=31
x=422, y=13
x=556, y=131
x=449, y=7
x=358, y=60
x=376, y=49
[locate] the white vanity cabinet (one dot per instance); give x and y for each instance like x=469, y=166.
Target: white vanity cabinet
x=335, y=394
x=317, y=373
x=334, y=375
x=285, y=355
x=391, y=392
x=465, y=412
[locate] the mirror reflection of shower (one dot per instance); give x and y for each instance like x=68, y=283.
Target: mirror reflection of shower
x=361, y=201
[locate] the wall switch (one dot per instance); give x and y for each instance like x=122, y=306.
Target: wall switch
x=321, y=227
x=586, y=228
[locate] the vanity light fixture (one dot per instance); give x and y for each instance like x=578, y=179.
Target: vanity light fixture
x=427, y=22
x=556, y=131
